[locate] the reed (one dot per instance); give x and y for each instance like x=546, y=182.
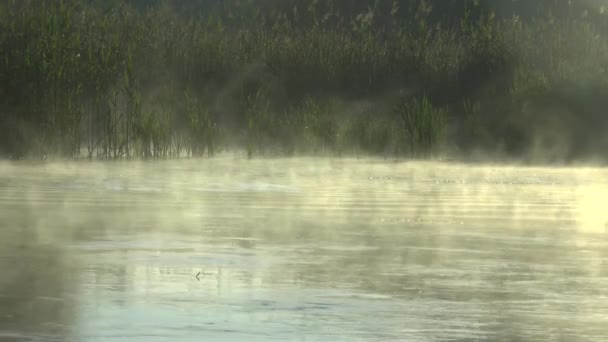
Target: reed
x=423, y=125
x=127, y=82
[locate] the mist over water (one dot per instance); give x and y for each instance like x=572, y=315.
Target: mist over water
x=302, y=249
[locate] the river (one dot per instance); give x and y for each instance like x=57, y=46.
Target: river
x=302, y=249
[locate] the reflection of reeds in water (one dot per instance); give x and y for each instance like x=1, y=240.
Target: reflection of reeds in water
x=37, y=298
x=128, y=82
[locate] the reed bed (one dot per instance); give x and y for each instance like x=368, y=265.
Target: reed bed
x=117, y=82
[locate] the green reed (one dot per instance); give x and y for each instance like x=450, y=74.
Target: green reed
x=122, y=82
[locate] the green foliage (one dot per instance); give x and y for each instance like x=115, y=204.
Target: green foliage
x=152, y=81
x=423, y=124
x=259, y=121
x=202, y=128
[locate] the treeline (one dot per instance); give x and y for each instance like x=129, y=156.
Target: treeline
x=124, y=79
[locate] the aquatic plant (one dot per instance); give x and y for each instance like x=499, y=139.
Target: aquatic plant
x=423, y=124
x=83, y=78
x=202, y=128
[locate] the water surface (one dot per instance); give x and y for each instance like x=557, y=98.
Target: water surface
x=302, y=250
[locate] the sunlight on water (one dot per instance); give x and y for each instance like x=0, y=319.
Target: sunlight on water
x=593, y=208
x=302, y=249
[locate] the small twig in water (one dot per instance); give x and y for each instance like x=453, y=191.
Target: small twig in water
x=198, y=274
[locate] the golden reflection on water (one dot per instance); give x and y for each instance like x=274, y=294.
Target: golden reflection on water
x=302, y=248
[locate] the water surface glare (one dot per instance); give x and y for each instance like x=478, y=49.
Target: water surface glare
x=302, y=249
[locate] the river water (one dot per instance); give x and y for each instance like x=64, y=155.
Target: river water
x=302, y=249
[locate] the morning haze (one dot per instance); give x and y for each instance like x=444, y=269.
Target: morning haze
x=303, y=170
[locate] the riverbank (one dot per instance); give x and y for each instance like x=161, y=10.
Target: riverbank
x=125, y=82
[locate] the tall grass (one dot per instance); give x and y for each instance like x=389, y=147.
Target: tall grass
x=423, y=124
x=122, y=82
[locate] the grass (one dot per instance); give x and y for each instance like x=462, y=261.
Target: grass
x=124, y=82
x=423, y=125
